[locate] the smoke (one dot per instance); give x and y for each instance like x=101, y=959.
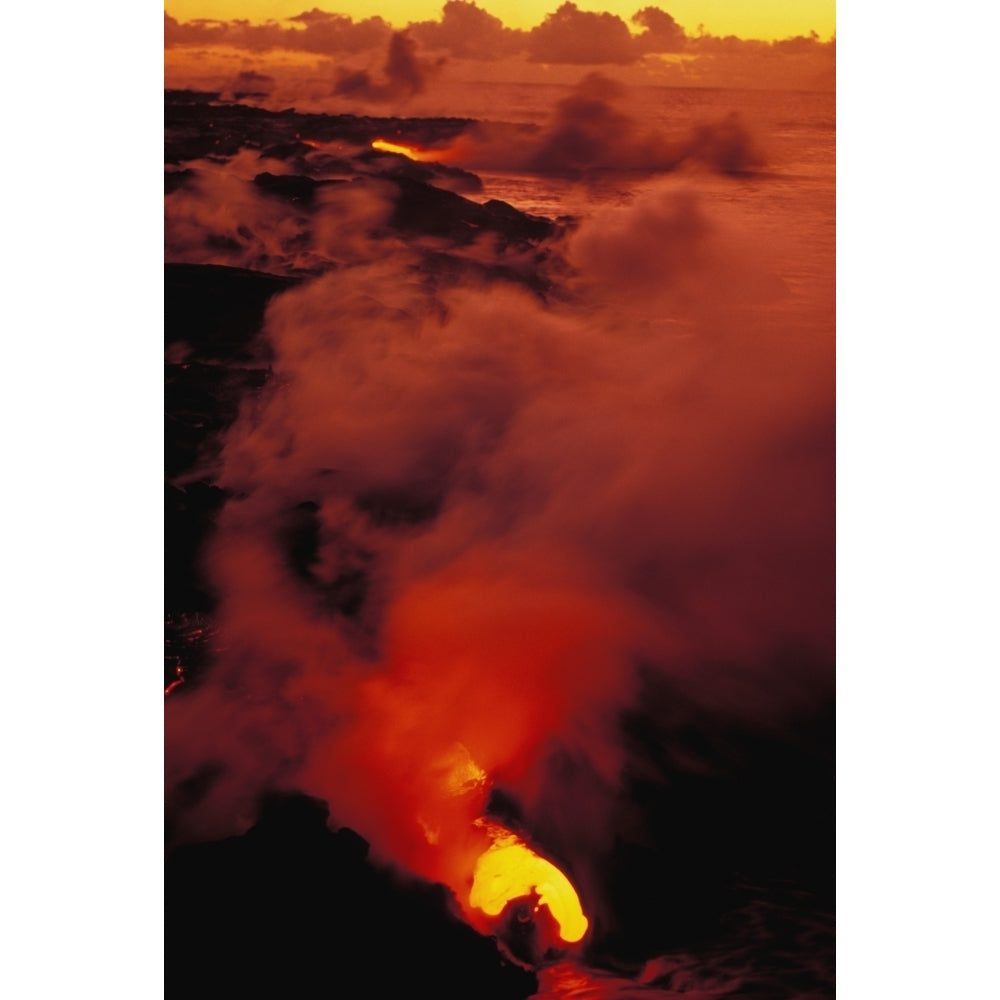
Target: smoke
x=249, y=83
x=240, y=214
x=465, y=521
x=591, y=131
x=406, y=75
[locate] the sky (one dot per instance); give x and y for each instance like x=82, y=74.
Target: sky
x=209, y=44
x=764, y=19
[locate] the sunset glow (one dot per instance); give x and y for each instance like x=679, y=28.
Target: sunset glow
x=284, y=56
x=765, y=19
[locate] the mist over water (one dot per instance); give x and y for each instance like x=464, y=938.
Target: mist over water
x=563, y=507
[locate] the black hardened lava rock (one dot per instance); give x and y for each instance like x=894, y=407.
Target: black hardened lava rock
x=212, y=320
x=294, y=909
x=430, y=211
x=218, y=311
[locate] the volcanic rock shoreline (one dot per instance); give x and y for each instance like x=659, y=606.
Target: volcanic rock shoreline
x=430, y=203
x=198, y=124
x=214, y=309
x=292, y=904
x=301, y=157
x=292, y=908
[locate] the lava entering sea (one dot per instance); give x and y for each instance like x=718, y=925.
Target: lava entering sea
x=505, y=547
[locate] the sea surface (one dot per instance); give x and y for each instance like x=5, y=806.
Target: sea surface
x=786, y=208
x=795, y=132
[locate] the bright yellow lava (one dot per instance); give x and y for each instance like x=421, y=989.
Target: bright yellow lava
x=411, y=152
x=509, y=869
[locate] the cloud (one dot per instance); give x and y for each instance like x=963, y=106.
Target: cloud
x=571, y=35
x=467, y=31
x=794, y=63
x=662, y=34
x=327, y=32
x=321, y=32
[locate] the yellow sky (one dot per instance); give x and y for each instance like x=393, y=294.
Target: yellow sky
x=746, y=18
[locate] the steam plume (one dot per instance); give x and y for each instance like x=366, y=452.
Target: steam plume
x=467, y=527
x=405, y=74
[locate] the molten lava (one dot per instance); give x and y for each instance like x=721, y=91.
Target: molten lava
x=175, y=684
x=410, y=152
x=510, y=870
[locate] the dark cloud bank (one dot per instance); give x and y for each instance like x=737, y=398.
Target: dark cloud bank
x=449, y=482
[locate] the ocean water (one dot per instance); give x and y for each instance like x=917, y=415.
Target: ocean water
x=788, y=206
x=795, y=132
x=784, y=209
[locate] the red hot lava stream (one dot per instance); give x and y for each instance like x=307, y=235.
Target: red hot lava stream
x=509, y=870
x=411, y=152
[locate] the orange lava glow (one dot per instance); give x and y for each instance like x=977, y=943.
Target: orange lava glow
x=173, y=685
x=510, y=870
x=410, y=152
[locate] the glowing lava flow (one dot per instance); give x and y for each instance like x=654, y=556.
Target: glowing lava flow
x=410, y=152
x=175, y=684
x=510, y=870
